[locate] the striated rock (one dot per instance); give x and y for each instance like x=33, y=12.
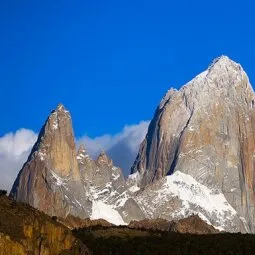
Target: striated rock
x=50, y=179
x=25, y=230
x=206, y=130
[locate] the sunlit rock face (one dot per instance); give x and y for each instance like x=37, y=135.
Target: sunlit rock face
x=50, y=180
x=206, y=130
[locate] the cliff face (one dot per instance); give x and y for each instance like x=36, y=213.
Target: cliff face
x=50, y=179
x=206, y=130
x=24, y=230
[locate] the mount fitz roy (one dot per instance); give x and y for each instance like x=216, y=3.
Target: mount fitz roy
x=198, y=157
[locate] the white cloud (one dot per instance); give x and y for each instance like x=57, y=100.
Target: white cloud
x=14, y=150
x=122, y=147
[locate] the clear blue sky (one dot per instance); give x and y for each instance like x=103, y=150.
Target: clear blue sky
x=110, y=62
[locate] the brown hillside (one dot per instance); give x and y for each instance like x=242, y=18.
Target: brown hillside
x=25, y=230
x=192, y=225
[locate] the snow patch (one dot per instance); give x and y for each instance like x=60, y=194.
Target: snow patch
x=115, y=173
x=101, y=210
x=134, y=189
x=42, y=155
x=188, y=189
x=134, y=177
x=59, y=180
x=195, y=198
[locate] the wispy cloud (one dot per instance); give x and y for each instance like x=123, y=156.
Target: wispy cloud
x=121, y=147
x=14, y=150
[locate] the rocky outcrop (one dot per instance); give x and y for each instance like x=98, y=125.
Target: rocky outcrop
x=25, y=230
x=50, y=180
x=153, y=224
x=206, y=130
x=192, y=224
x=73, y=222
x=107, y=188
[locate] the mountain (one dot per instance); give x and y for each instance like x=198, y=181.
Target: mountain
x=197, y=158
x=50, y=180
x=60, y=181
x=204, y=131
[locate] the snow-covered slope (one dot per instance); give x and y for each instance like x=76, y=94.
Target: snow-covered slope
x=100, y=210
x=180, y=195
x=132, y=182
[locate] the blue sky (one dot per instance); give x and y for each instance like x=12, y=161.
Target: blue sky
x=110, y=62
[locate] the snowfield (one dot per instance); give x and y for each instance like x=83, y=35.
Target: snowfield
x=100, y=210
x=190, y=197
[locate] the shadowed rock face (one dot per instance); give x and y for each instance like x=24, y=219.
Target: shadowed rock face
x=50, y=179
x=206, y=129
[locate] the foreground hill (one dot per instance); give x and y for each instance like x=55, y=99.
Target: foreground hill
x=129, y=241
x=25, y=230
x=192, y=225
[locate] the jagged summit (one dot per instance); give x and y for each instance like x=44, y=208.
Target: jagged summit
x=223, y=60
x=82, y=150
x=82, y=155
x=60, y=107
x=222, y=71
x=223, y=78
x=103, y=159
x=50, y=177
